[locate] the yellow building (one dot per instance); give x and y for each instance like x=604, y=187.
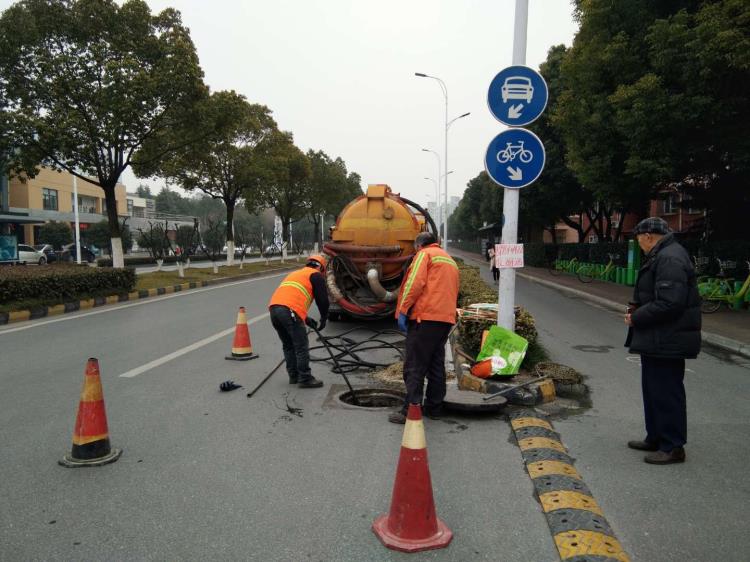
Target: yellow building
x=49, y=197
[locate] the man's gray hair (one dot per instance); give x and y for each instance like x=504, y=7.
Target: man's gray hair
x=424, y=239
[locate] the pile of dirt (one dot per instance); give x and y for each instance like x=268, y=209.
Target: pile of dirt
x=558, y=373
x=393, y=376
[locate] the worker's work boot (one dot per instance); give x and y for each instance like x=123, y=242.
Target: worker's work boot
x=666, y=457
x=643, y=445
x=312, y=382
x=397, y=417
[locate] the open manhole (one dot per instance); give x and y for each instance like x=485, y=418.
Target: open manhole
x=377, y=398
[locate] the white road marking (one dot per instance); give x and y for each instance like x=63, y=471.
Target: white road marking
x=112, y=308
x=192, y=347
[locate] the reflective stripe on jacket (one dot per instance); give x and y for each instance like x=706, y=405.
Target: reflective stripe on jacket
x=295, y=291
x=430, y=289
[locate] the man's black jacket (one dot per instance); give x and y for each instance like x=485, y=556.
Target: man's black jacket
x=667, y=322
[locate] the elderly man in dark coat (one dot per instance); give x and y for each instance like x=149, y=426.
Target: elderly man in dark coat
x=665, y=329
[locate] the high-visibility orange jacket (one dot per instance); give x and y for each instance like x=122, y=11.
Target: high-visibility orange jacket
x=296, y=291
x=430, y=289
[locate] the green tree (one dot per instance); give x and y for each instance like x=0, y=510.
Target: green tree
x=283, y=174
x=95, y=86
x=172, y=203
x=56, y=233
x=685, y=117
x=608, y=50
x=143, y=191
x=225, y=165
x=557, y=194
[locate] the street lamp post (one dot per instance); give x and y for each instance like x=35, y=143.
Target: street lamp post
x=437, y=191
x=444, y=88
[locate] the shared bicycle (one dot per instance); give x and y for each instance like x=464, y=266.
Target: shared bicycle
x=587, y=272
x=720, y=290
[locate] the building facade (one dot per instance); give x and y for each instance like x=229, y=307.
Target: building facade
x=49, y=197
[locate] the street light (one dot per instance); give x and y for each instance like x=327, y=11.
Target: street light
x=437, y=189
x=444, y=88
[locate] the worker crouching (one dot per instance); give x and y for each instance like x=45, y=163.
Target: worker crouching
x=288, y=308
x=426, y=311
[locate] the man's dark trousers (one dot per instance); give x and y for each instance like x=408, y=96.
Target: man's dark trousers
x=293, y=334
x=664, y=401
x=425, y=357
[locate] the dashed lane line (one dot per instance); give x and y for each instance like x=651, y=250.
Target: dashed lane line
x=37, y=324
x=187, y=349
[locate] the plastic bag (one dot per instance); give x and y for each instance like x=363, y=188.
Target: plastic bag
x=505, y=350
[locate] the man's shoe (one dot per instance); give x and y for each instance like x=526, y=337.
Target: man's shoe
x=312, y=382
x=433, y=413
x=666, y=457
x=643, y=445
x=397, y=417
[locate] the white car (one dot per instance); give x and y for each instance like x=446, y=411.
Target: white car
x=517, y=88
x=27, y=254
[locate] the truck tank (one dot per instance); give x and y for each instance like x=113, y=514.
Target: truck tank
x=371, y=247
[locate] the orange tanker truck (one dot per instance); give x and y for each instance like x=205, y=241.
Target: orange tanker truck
x=371, y=247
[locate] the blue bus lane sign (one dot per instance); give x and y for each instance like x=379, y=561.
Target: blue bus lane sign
x=515, y=158
x=517, y=96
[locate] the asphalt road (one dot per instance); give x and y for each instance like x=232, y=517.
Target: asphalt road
x=210, y=475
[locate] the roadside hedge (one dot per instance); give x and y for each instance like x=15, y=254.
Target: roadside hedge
x=62, y=281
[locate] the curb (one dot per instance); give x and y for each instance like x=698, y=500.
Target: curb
x=75, y=306
x=727, y=344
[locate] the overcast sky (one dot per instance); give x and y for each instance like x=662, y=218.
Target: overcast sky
x=339, y=74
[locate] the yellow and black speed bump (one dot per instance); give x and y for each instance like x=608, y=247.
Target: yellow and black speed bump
x=579, y=528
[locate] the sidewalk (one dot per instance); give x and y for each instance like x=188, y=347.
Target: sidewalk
x=726, y=329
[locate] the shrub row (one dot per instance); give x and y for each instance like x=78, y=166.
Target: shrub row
x=62, y=281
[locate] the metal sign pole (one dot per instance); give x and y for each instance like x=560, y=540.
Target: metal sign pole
x=507, y=286
x=78, y=225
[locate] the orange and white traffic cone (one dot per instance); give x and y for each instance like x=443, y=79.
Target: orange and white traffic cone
x=412, y=525
x=242, y=348
x=91, y=436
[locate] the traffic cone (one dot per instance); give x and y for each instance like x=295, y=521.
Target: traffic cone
x=412, y=524
x=242, y=348
x=90, y=435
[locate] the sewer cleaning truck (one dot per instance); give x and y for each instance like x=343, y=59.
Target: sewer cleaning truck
x=370, y=248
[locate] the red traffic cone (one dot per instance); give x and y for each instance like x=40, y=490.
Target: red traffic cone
x=242, y=348
x=91, y=436
x=412, y=524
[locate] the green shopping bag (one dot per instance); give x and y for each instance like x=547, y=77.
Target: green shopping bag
x=506, y=349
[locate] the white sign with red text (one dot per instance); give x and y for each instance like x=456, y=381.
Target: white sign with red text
x=508, y=255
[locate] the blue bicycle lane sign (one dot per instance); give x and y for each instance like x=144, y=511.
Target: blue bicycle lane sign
x=517, y=96
x=515, y=158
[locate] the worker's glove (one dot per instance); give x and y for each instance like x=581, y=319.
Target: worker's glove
x=226, y=386
x=322, y=324
x=402, y=323
x=311, y=323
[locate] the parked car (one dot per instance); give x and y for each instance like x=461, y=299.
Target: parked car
x=69, y=252
x=27, y=254
x=48, y=251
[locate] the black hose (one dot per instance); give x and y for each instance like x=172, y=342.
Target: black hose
x=427, y=215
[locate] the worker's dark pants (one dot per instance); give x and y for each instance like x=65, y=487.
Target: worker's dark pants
x=293, y=334
x=425, y=356
x=664, y=401
x=495, y=274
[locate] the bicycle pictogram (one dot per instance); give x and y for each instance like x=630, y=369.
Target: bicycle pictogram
x=509, y=153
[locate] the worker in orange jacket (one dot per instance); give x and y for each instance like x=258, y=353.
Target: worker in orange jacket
x=288, y=308
x=426, y=311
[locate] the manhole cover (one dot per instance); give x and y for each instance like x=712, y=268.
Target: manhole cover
x=370, y=398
